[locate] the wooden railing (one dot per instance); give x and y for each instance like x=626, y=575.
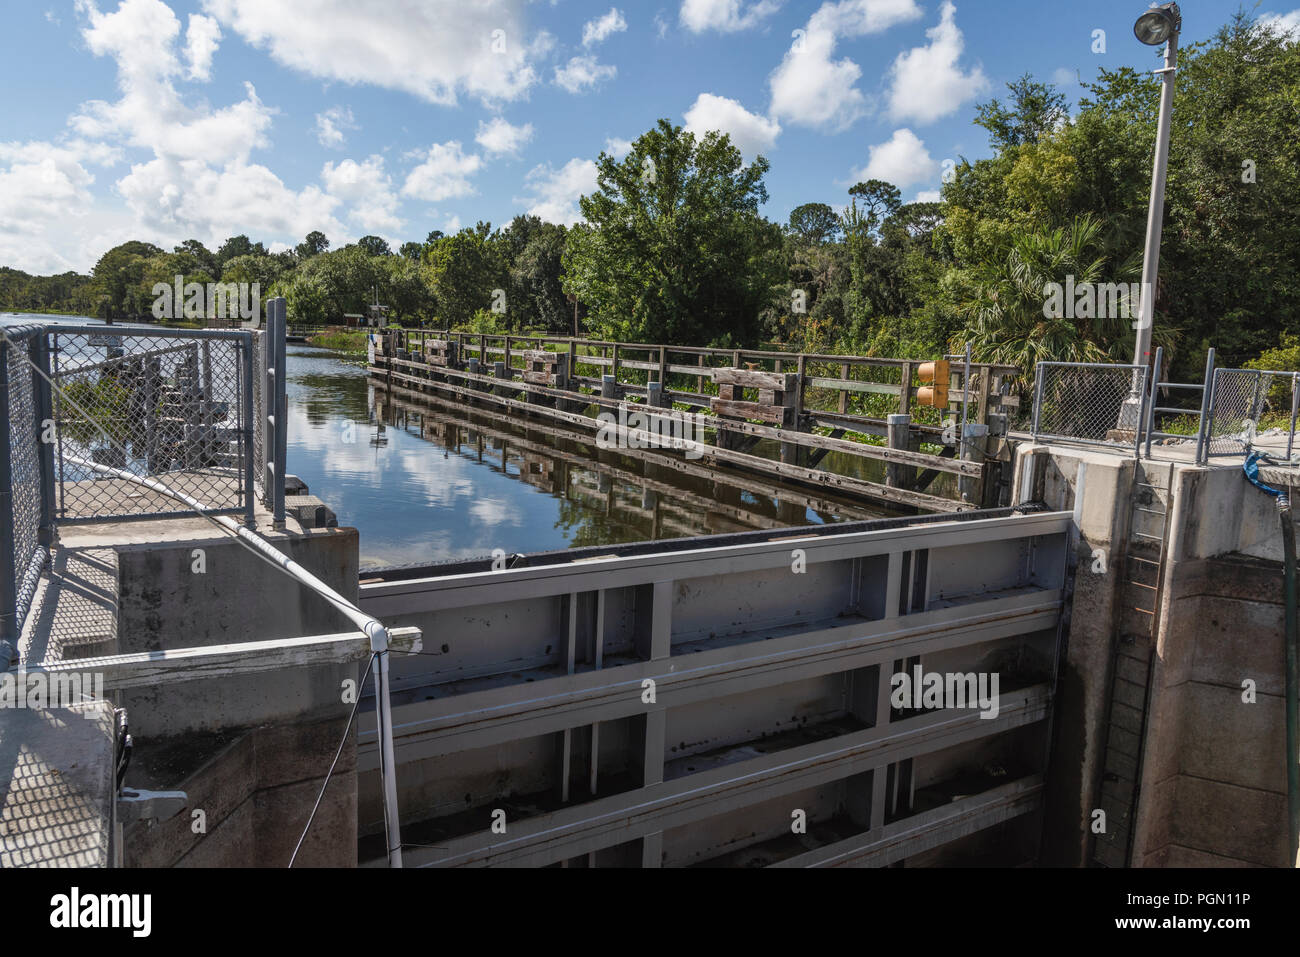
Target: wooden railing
x=791, y=398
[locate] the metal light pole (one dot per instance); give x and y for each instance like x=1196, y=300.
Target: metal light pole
x=1160, y=24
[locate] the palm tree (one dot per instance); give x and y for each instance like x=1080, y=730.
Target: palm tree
x=1002, y=301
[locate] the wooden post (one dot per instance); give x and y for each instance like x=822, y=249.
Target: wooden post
x=509, y=364
x=613, y=369
x=844, y=394
x=905, y=399
x=699, y=379
x=899, y=476
x=663, y=368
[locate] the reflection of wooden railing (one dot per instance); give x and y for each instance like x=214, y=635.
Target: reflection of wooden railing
x=752, y=398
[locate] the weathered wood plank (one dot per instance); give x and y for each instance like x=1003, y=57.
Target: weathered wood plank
x=747, y=379
x=752, y=410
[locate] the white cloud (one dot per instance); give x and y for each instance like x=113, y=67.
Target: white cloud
x=1285, y=22
x=751, y=133
x=434, y=49
x=499, y=137
x=555, y=192
x=367, y=188
x=597, y=31
x=902, y=160
x=929, y=196
x=201, y=40
x=451, y=225
x=1064, y=77
x=927, y=82
x=331, y=124
x=44, y=192
x=618, y=148
x=444, y=173
x=141, y=36
x=725, y=16
x=809, y=87
x=184, y=198
x=583, y=71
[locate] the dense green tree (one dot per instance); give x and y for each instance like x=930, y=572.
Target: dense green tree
x=1035, y=109
x=117, y=276
x=313, y=245
x=814, y=224
x=375, y=246
x=467, y=274
x=676, y=250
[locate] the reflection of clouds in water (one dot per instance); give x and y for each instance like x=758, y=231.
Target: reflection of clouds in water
x=494, y=512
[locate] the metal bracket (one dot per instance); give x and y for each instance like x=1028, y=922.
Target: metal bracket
x=133, y=805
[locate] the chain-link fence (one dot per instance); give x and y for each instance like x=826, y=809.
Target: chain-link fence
x=168, y=406
x=20, y=480
x=1092, y=404
x=1240, y=401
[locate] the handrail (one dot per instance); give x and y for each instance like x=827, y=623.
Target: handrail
x=368, y=624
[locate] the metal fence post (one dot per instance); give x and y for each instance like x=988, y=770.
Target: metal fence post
x=1295, y=408
x=8, y=537
x=249, y=427
x=1038, y=400
x=281, y=400
x=1155, y=388
x=1207, y=411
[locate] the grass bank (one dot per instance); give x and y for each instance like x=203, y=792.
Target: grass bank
x=350, y=341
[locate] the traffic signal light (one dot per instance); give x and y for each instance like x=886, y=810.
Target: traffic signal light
x=934, y=389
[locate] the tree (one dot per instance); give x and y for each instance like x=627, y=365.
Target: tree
x=375, y=246
x=814, y=224
x=1035, y=110
x=237, y=246
x=466, y=274
x=1005, y=302
x=313, y=245
x=117, y=278
x=412, y=251
x=676, y=250
x=536, y=280
x=202, y=257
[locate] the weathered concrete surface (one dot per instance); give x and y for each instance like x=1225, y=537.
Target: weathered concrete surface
x=250, y=796
x=56, y=809
x=1079, y=733
x=251, y=752
x=1213, y=786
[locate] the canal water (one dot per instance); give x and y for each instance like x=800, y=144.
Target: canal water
x=426, y=480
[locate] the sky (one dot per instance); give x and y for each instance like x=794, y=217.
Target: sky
x=165, y=121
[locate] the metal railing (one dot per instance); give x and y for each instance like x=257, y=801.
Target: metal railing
x=1084, y=402
x=25, y=479
x=175, y=403
x=80, y=403
x=1239, y=402
x=1094, y=404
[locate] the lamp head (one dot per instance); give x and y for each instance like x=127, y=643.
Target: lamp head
x=1158, y=24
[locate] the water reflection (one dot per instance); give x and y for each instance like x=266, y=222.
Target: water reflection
x=502, y=482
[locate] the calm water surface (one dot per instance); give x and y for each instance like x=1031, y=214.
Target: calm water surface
x=428, y=480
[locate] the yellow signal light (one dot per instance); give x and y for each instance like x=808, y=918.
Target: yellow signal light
x=934, y=393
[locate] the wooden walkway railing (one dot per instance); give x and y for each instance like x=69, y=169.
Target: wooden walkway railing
x=795, y=393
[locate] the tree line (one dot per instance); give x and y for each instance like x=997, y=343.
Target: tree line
x=673, y=248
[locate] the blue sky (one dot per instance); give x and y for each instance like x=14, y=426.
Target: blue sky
x=203, y=118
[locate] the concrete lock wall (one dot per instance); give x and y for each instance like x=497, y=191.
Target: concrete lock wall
x=1212, y=787
x=251, y=752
